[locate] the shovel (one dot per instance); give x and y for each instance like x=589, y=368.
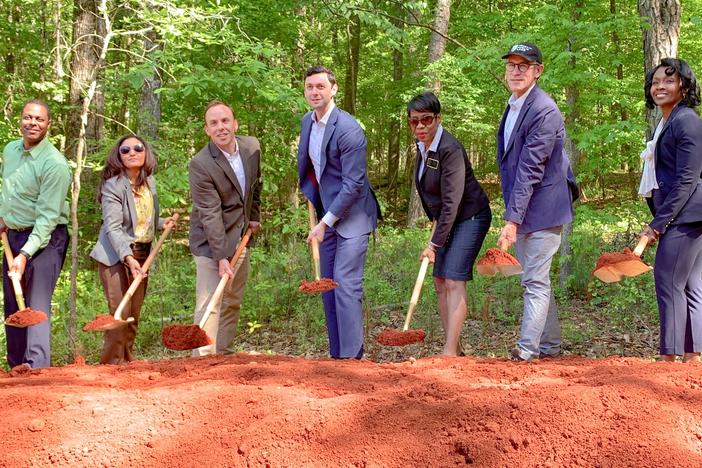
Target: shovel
x=24, y=317
x=183, y=337
x=392, y=337
x=319, y=285
x=612, y=267
x=498, y=261
x=107, y=322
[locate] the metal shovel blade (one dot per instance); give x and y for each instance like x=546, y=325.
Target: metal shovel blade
x=505, y=270
x=615, y=272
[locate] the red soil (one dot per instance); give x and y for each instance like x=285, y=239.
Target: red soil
x=247, y=410
x=319, y=286
x=611, y=258
x=497, y=257
x=395, y=337
x=99, y=322
x=183, y=337
x=26, y=318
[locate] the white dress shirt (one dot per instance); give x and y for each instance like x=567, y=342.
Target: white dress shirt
x=515, y=106
x=314, y=149
x=432, y=147
x=237, y=166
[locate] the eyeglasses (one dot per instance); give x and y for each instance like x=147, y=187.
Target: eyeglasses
x=425, y=120
x=125, y=149
x=522, y=67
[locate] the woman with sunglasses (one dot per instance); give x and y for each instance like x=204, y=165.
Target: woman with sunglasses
x=130, y=217
x=672, y=183
x=451, y=196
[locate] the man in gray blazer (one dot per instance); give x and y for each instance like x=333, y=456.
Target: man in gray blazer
x=225, y=185
x=536, y=180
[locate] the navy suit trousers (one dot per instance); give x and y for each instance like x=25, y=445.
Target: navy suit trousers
x=32, y=345
x=678, y=276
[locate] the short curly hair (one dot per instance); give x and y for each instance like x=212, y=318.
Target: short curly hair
x=690, y=86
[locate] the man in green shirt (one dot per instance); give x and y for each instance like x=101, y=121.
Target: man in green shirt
x=34, y=212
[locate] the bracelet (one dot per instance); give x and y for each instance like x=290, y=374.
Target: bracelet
x=26, y=255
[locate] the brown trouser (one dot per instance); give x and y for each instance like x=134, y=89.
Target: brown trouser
x=119, y=343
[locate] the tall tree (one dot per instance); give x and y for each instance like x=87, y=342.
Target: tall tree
x=660, y=39
x=353, y=48
x=437, y=47
x=395, y=123
x=149, y=99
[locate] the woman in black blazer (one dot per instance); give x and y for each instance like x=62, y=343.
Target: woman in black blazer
x=676, y=202
x=130, y=218
x=451, y=196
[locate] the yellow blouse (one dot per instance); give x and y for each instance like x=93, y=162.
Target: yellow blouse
x=144, y=227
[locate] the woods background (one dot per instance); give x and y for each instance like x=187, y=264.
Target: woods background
x=108, y=68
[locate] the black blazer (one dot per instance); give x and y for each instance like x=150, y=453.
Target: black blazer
x=448, y=190
x=678, y=199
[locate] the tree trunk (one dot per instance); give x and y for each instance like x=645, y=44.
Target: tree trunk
x=149, y=100
x=352, y=50
x=395, y=126
x=571, y=148
x=58, y=46
x=660, y=40
x=437, y=47
x=84, y=61
x=437, y=43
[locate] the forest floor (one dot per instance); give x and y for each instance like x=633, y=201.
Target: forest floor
x=274, y=410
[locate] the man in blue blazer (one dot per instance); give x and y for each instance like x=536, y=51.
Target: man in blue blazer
x=536, y=180
x=331, y=163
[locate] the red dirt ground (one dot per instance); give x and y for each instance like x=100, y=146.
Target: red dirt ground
x=256, y=410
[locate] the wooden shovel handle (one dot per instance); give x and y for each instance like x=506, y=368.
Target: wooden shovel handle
x=315, y=242
x=145, y=267
x=235, y=264
x=16, y=285
x=416, y=291
x=638, y=250
x=418, y=284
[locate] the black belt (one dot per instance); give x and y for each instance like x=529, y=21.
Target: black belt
x=22, y=229
x=140, y=245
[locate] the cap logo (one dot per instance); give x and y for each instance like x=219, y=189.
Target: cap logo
x=520, y=48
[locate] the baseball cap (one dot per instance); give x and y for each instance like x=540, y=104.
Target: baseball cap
x=527, y=50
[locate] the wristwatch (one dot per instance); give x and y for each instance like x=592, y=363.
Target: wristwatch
x=26, y=255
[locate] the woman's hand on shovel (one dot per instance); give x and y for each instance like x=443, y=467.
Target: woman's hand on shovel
x=429, y=253
x=651, y=233
x=133, y=266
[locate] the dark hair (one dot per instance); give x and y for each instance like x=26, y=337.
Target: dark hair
x=215, y=103
x=38, y=102
x=320, y=69
x=114, y=166
x=690, y=86
x=425, y=102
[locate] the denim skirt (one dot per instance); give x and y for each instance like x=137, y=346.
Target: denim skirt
x=455, y=259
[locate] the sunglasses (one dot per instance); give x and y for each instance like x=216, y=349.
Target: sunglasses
x=125, y=149
x=425, y=120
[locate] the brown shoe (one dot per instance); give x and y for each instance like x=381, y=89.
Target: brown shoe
x=516, y=356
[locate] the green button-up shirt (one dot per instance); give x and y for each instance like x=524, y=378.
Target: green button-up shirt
x=34, y=187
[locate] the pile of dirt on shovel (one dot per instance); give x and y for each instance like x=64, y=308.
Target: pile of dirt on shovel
x=495, y=256
x=183, y=337
x=319, y=286
x=26, y=317
x=99, y=322
x=611, y=258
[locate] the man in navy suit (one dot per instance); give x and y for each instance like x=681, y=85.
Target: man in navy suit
x=331, y=163
x=535, y=176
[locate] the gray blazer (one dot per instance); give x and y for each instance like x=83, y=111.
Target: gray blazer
x=118, y=219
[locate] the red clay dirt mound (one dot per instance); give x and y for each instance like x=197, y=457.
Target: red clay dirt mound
x=255, y=410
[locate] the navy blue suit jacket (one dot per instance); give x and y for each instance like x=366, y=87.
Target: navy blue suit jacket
x=343, y=187
x=678, y=199
x=449, y=191
x=534, y=169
